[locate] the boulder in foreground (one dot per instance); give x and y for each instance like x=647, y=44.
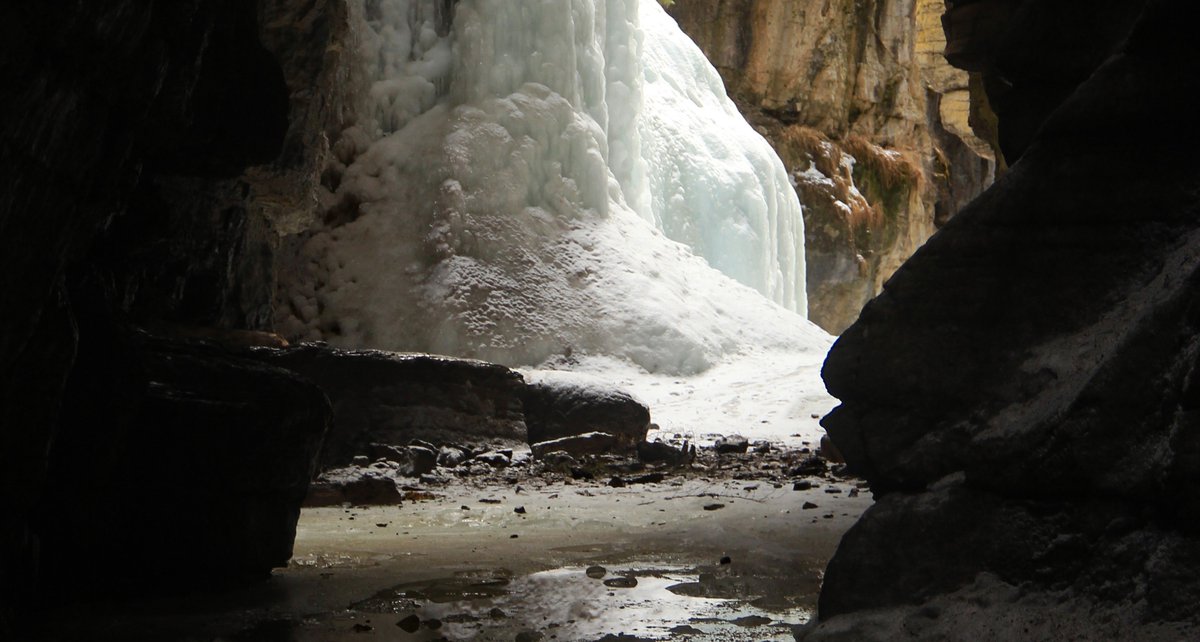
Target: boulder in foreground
x=557, y=408
x=393, y=398
x=178, y=464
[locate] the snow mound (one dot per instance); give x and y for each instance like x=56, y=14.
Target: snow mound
x=771, y=395
x=514, y=184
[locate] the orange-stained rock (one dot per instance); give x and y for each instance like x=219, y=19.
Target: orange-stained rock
x=867, y=117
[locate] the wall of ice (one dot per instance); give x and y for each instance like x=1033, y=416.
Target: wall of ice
x=714, y=183
x=513, y=184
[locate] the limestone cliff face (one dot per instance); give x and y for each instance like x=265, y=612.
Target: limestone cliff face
x=868, y=117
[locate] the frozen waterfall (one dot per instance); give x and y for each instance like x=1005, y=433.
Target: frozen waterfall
x=536, y=181
x=714, y=183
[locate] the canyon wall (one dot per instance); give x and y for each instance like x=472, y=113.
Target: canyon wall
x=147, y=150
x=872, y=123
x=1022, y=396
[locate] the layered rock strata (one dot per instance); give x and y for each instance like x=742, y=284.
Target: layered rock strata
x=393, y=398
x=384, y=400
x=1022, y=396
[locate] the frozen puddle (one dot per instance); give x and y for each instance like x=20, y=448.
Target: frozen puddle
x=581, y=603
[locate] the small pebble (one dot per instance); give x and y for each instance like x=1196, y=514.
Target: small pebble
x=621, y=582
x=751, y=621
x=410, y=624
x=461, y=617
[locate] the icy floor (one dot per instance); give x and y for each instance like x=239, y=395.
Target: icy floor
x=465, y=564
x=359, y=573
x=774, y=396
x=568, y=604
x=468, y=568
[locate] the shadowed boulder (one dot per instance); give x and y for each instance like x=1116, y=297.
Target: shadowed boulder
x=1022, y=396
x=557, y=409
x=394, y=398
x=177, y=464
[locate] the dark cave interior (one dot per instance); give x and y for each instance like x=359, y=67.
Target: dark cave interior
x=1023, y=397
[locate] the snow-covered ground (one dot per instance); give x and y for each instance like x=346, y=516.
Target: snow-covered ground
x=565, y=185
x=770, y=395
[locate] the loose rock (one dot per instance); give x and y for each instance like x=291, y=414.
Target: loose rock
x=495, y=459
x=658, y=451
x=752, y=620
x=451, y=456
x=361, y=486
x=809, y=466
x=731, y=444
x=410, y=624
x=592, y=443
x=556, y=409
